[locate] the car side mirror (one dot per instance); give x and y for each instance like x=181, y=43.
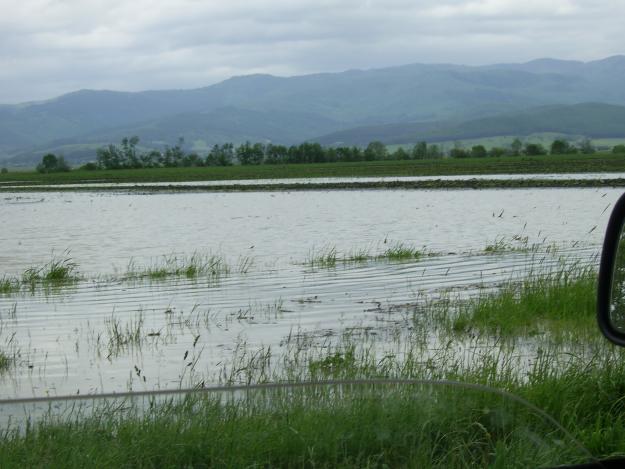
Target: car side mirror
x=611, y=287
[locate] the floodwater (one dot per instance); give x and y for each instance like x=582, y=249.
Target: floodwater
x=191, y=330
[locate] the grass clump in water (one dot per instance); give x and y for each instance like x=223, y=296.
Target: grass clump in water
x=122, y=336
x=557, y=303
x=194, y=266
x=326, y=257
x=9, y=285
x=401, y=252
x=56, y=273
x=5, y=362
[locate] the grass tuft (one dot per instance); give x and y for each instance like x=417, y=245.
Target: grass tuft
x=558, y=302
x=5, y=362
x=194, y=266
x=401, y=252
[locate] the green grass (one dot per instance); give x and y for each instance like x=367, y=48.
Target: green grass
x=558, y=303
x=329, y=257
x=56, y=273
x=364, y=427
x=5, y=362
x=568, y=370
x=401, y=252
x=122, y=336
x=63, y=271
x=325, y=257
x=517, y=243
x=9, y=285
x=193, y=266
x=600, y=162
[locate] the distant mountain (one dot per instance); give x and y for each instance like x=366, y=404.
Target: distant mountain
x=289, y=110
x=593, y=120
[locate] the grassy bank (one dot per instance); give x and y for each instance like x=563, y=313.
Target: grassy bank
x=566, y=369
x=600, y=162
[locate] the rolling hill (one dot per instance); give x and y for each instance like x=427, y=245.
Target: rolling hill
x=294, y=109
x=593, y=120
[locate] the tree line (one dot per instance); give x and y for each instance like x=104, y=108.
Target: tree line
x=126, y=155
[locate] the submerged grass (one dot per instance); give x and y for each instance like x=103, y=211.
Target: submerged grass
x=556, y=303
x=329, y=257
x=5, y=362
x=192, y=266
x=56, y=273
x=401, y=252
x=569, y=371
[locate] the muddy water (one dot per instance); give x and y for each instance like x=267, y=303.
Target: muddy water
x=190, y=329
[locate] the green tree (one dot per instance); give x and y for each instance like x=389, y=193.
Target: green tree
x=497, y=152
x=250, y=153
x=459, y=152
x=401, y=154
x=420, y=151
x=62, y=165
x=586, y=147
x=534, y=149
x=4, y=171
x=479, y=151
x=50, y=163
x=434, y=152
x=618, y=149
x=276, y=154
x=375, y=151
x=129, y=152
x=221, y=155
x=560, y=147
x=515, y=147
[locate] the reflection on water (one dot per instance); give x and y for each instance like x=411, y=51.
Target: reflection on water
x=104, y=334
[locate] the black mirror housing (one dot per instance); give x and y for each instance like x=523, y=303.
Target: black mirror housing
x=606, y=274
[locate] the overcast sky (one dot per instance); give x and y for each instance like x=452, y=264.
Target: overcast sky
x=50, y=47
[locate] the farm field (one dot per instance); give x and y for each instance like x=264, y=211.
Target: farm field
x=597, y=163
x=487, y=287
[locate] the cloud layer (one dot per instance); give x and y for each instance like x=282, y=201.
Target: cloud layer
x=49, y=47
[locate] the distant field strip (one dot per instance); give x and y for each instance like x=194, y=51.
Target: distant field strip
x=600, y=162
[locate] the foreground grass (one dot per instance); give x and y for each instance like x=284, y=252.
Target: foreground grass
x=334, y=426
x=579, y=379
x=600, y=162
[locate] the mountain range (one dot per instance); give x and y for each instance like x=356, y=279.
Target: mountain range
x=401, y=104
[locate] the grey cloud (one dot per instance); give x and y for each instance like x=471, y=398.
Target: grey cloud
x=51, y=47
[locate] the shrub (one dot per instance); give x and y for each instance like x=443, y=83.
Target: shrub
x=90, y=166
x=616, y=149
x=50, y=163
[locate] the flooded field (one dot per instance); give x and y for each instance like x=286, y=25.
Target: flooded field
x=175, y=290
x=323, y=180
